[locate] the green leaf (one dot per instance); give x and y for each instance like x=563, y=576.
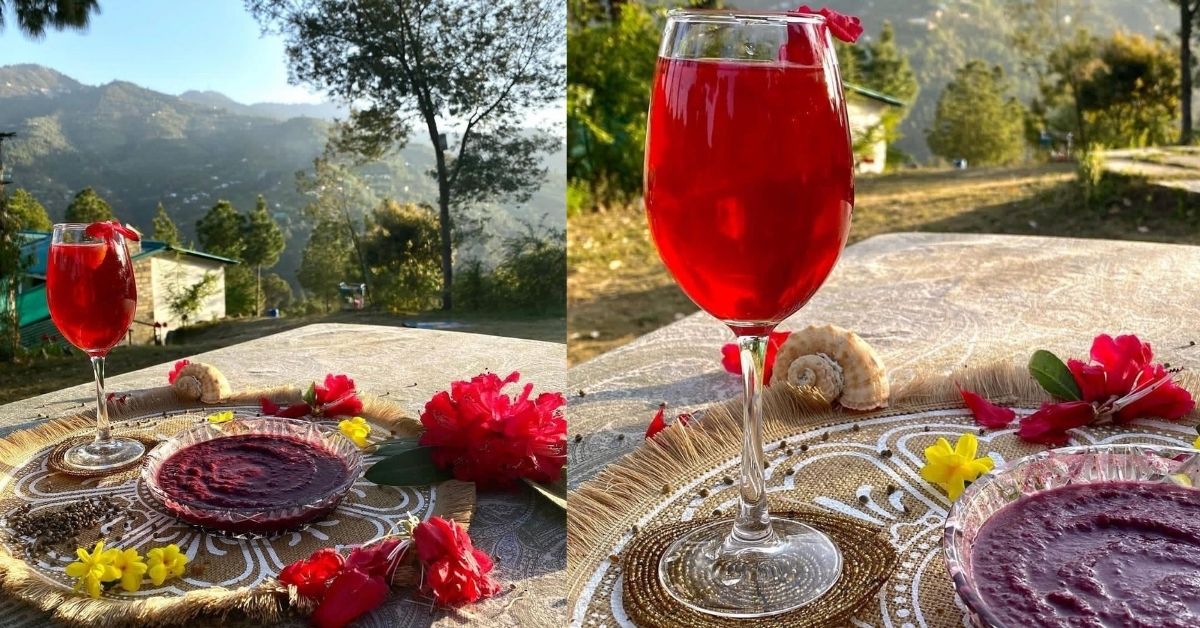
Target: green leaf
x=396, y=446
x=556, y=493
x=413, y=467
x=1053, y=375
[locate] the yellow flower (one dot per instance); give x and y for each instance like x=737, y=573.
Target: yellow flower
x=950, y=468
x=131, y=566
x=92, y=569
x=1196, y=443
x=356, y=429
x=221, y=417
x=165, y=562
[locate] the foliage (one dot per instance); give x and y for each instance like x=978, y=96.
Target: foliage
x=885, y=69
x=185, y=302
x=87, y=207
x=165, y=229
x=401, y=248
x=35, y=17
x=12, y=265
x=531, y=278
x=241, y=293
x=222, y=230
x=262, y=242
x=276, y=291
x=1130, y=97
x=30, y=214
x=976, y=118
x=327, y=261
x=611, y=70
x=484, y=65
x=1090, y=172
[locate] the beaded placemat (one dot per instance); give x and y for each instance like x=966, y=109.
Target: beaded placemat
x=227, y=578
x=865, y=466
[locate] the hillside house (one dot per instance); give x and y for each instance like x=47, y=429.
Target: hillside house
x=866, y=108
x=162, y=272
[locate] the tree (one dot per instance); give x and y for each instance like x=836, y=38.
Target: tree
x=30, y=214
x=87, y=207
x=401, y=246
x=263, y=243
x=1129, y=96
x=12, y=265
x=335, y=190
x=221, y=231
x=478, y=66
x=185, y=301
x=1189, y=10
x=277, y=292
x=241, y=296
x=1067, y=68
x=885, y=69
x=976, y=119
x=326, y=261
x=35, y=17
x=165, y=229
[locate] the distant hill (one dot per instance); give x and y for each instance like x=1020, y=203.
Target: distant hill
x=940, y=36
x=139, y=147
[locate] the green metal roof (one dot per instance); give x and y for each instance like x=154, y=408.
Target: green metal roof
x=874, y=95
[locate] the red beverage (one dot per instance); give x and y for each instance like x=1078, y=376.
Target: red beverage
x=91, y=292
x=749, y=183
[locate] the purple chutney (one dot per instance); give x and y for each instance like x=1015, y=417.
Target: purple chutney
x=250, y=471
x=1112, y=554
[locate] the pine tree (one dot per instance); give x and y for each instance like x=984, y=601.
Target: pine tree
x=87, y=207
x=976, y=119
x=165, y=229
x=28, y=212
x=263, y=243
x=327, y=261
x=222, y=231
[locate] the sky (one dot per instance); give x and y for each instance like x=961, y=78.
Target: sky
x=169, y=46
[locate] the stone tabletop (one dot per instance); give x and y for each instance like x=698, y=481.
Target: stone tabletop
x=409, y=365
x=929, y=303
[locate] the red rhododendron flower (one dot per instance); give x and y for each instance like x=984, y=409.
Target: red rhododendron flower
x=732, y=361
x=455, y=572
x=294, y=411
x=985, y=412
x=484, y=436
x=337, y=397
x=311, y=575
x=847, y=28
x=1050, y=423
x=106, y=229
x=1122, y=366
x=1167, y=401
x=377, y=559
x=351, y=595
x=659, y=422
x=174, y=373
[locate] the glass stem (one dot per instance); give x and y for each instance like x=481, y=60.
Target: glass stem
x=103, y=430
x=753, y=524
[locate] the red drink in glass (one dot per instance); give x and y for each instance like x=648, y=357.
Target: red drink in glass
x=91, y=292
x=92, y=295
x=748, y=203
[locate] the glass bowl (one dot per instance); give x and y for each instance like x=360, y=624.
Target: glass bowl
x=270, y=519
x=1040, y=472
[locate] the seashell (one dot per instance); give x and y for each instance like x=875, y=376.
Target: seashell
x=203, y=382
x=837, y=363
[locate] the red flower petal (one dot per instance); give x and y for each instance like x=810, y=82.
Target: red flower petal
x=1123, y=358
x=455, y=572
x=311, y=575
x=732, y=361
x=1092, y=381
x=847, y=28
x=105, y=230
x=377, y=559
x=1050, y=423
x=658, y=423
x=294, y=411
x=986, y=413
x=174, y=373
x=351, y=595
x=1169, y=401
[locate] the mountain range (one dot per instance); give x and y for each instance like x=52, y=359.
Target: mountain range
x=138, y=147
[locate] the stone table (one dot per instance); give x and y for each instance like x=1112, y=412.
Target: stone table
x=410, y=365
x=929, y=304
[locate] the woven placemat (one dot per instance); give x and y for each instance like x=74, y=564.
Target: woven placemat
x=228, y=579
x=867, y=561
x=865, y=466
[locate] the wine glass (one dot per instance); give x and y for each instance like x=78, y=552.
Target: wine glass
x=92, y=295
x=749, y=190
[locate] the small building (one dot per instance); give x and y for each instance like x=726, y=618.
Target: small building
x=866, y=108
x=162, y=271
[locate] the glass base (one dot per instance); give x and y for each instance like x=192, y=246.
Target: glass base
x=791, y=570
x=95, y=456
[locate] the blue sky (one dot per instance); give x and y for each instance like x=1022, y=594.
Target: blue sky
x=169, y=46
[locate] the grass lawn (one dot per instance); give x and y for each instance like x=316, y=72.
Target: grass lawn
x=18, y=381
x=617, y=289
